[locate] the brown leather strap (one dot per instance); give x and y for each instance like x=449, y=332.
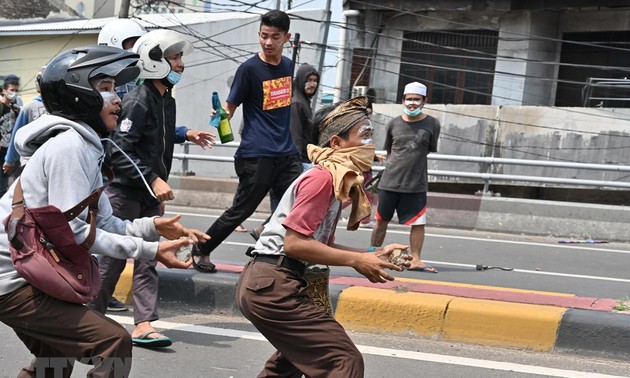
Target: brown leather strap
x=91, y=218
x=92, y=201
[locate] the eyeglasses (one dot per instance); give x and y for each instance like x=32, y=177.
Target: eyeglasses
x=413, y=101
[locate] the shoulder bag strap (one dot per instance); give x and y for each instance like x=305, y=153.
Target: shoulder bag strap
x=92, y=202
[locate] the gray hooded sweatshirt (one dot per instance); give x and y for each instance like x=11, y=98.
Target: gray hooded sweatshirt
x=63, y=169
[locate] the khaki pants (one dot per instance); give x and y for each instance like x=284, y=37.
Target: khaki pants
x=309, y=341
x=59, y=333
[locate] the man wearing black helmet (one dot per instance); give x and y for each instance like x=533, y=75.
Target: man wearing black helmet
x=66, y=154
x=147, y=134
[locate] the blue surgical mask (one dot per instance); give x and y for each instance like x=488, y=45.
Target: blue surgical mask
x=174, y=77
x=412, y=113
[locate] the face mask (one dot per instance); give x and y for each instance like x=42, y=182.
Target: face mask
x=174, y=77
x=412, y=113
x=11, y=95
x=362, y=156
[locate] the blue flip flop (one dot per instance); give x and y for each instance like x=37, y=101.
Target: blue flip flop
x=425, y=268
x=156, y=342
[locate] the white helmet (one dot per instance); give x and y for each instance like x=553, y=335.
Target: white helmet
x=154, y=46
x=116, y=32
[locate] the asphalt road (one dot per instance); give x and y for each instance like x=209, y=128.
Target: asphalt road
x=228, y=347
x=220, y=346
x=540, y=263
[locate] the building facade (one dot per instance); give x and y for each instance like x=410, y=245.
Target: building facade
x=497, y=52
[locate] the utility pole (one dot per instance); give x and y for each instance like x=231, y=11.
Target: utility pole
x=124, y=9
x=296, y=50
x=320, y=65
x=278, y=4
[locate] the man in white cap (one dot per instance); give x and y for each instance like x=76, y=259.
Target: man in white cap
x=410, y=137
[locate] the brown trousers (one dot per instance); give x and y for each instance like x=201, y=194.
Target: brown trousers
x=309, y=342
x=59, y=333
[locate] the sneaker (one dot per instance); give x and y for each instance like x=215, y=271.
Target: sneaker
x=366, y=225
x=115, y=305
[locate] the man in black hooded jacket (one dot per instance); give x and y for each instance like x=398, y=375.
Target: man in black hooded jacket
x=305, y=86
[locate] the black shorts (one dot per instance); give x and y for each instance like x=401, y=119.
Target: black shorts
x=410, y=207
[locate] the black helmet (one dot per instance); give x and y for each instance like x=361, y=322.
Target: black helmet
x=65, y=84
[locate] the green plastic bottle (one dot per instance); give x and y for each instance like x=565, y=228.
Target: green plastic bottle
x=220, y=120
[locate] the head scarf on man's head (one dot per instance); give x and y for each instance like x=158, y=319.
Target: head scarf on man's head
x=342, y=119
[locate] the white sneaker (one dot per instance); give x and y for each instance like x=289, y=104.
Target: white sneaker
x=366, y=225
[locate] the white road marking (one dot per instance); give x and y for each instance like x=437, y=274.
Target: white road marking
x=597, y=278
x=565, y=246
x=377, y=351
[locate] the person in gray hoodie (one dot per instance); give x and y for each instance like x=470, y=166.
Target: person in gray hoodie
x=305, y=86
x=66, y=154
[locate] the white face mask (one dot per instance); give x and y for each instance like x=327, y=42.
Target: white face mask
x=12, y=95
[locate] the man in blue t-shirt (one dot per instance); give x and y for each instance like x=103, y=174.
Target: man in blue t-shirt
x=266, y=158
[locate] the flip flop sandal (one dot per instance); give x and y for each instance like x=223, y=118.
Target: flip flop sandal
x=424, y=268
x=155, y=342
x=201, y=265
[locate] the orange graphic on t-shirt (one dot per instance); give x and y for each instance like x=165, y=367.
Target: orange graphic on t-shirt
x=276, y=93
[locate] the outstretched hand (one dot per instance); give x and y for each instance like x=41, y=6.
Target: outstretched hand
x=166, y=253
x=387, y=251
x=170, y=228
x=373, y=265
x=202, y=138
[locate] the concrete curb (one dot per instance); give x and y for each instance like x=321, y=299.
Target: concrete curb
x=582, y=326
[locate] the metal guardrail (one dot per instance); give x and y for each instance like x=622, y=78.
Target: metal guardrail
x=485, y=177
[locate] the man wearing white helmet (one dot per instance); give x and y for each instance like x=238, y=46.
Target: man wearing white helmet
x=122, y=33
x=410, y=137
x=147, y=134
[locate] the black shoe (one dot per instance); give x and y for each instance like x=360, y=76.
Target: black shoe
x=115, y=305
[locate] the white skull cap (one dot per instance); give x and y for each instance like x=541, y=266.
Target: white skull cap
x=417, y=88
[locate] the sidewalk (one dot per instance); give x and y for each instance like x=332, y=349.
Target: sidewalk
x=494, y=316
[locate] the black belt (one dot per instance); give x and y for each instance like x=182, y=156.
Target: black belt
x=281, y=260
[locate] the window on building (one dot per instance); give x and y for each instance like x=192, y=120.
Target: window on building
x=456, y=66
x=593, y=70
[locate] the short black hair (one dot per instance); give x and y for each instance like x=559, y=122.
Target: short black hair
x=11, y=79
x=276, y=18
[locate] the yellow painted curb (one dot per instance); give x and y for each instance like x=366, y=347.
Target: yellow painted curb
x=502, y=323
x=125, y=285
x=473, y=286
x=387, y=310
